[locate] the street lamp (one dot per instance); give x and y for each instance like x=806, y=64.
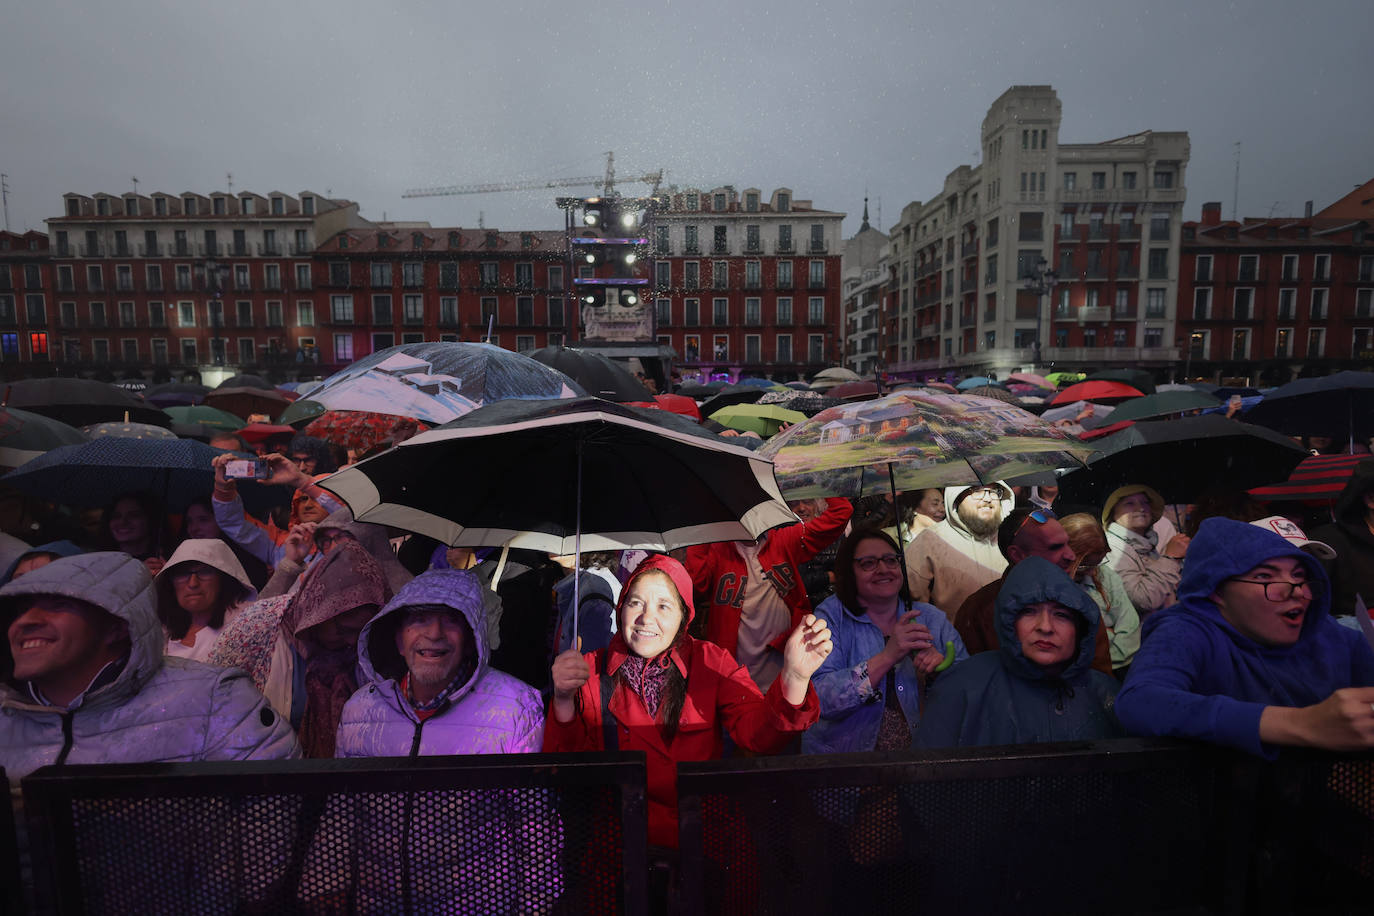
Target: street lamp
x=1040, y=281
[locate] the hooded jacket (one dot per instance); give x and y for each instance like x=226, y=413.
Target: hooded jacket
x=374, y=539
x=1004, y=698
x=1150, y=577
x=492, y=713
x=720, y=575
x=155, y=710
x=57, y=549
x=215, y=553
x=1352, y=572
x=946, y=563
x=720, y=693
x=1197, y=676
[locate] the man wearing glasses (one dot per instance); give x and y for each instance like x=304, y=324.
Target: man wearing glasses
x=1250, y=656
x=954, y=558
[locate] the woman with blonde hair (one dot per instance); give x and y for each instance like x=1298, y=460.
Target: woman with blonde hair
x=1103, y=584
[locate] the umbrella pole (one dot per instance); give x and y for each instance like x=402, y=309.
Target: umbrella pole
x=577, y=553
x=901, y=536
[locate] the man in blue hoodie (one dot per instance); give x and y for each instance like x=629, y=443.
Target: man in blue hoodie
x=1250, y=657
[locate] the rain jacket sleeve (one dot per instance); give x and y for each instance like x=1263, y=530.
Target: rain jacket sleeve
x=243, y=530
x=1162, y=696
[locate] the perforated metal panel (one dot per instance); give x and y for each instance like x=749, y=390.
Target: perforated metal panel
x=198, y=843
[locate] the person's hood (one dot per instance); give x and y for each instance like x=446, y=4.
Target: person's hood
x=11, y=549
x=952, y=495
x=1033, y=580
x=1350, y=508
x=211, y=552
x=114, y=582
x=377, y=542
x=300, y=496
x=1120, y=493
x=56, y=548
x=345, y=578
x=1224, y=548
x=682, y=581
x=461, y=590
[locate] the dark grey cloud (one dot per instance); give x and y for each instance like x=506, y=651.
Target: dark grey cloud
x=366, y=99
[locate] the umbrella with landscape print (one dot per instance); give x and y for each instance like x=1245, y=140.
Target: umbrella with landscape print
x=910, y=440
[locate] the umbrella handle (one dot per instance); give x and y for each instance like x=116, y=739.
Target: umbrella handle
x=901, y=540
x=577, y=551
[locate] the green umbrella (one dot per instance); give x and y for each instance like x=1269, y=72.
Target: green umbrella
x=1058, y=378
x=1162, y=405
x=764, y=419
x=301, y=411
x=212, y=417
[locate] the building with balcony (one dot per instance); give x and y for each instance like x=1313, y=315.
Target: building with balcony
x=1277, y=298
x=863, y=291
x=1104, y=216
x=385, y=285
x=25, y=301
x=745, y=284
x=211, y=283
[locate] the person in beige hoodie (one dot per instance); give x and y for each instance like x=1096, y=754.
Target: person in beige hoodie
x=201, y=588
x=955, y=557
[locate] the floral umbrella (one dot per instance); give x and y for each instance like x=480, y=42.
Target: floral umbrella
x=359, y=430
x=914, y=439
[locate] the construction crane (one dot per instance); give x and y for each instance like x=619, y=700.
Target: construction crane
x=606, y=181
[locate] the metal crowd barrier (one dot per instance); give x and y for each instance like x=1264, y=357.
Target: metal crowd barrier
x=479, y=835
x=11, y=888
x=1131, y=826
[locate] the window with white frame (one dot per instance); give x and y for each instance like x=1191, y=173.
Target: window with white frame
x=1321, y=267
x=815, y=348
x=1283, y=342
x=1316, y=343
x=248, y=351
x=784, y=348
x=815, y=310
x=1288, y=308
x=186, y=314
x=784, y=309
x=305, y=313
x=1240, y=343
x=1290, y=269
x=1202, y=303
x=343, y=348
x=188, y=351
x=341, y=310
x=1241, y=306
x=1364, y=303
x=1319, y=298
x=753, y=348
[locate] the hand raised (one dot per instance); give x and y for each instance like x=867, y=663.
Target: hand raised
x=806, y=648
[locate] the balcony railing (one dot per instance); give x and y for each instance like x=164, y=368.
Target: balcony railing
x=149, y=251
x=817, y=246
x=269, y=249
x=210, y=251
x=93, y=251
x=786, y=248
x=1128, y=231
x=237, y=249
x=300, y=251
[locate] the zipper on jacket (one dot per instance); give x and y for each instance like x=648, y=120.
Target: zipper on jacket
x=66, y=738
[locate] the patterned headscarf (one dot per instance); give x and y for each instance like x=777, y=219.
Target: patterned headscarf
x=345, y=578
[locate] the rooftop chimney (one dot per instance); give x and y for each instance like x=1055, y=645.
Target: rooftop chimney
x=1307, y=209
x=1211, y=213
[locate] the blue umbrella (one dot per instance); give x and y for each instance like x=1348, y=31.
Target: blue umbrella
x=438, y=382
x=177, y=471
x=978, y=381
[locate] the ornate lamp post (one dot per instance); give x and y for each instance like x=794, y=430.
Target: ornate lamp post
x=1041, y=281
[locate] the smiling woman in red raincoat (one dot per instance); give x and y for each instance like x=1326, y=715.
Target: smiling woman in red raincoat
x=657, y=690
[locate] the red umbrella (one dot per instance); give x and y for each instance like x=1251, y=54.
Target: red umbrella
x=1319, y=479
x=854, y=391
x=678, y=403
x=1090, y=434
x=1096, y=391
x=254, y=433
x=941, y=386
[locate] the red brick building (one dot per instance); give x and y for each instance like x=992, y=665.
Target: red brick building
x=389, y=285
x=1274, y=299
x=25, y=290
x=747, y=285
x=186, y=282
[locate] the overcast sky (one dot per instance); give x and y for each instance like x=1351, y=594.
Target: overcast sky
x=366, y=99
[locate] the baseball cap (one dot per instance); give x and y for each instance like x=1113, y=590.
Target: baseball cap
x=1295, y=535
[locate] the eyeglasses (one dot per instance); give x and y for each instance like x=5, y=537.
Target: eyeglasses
x=1281, y=591
x=182, y=574
x=986, y=494
x=1039, y=516
x=302, y=459
x=868, y=564
x=330, y=536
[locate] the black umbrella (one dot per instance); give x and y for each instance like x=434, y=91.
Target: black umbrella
x=1333, y=405
x=176, y=394
x=244, y=402
x=1183, y=458
x=247, y=381
x=697, y=391
x=512, y=472
x=731, y=395
x=1138, y=379
x=24, y=436
x=177, y=471
x=80, y=402
x=601, y=377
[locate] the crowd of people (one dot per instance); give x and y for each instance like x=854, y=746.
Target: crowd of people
x=978, y=615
